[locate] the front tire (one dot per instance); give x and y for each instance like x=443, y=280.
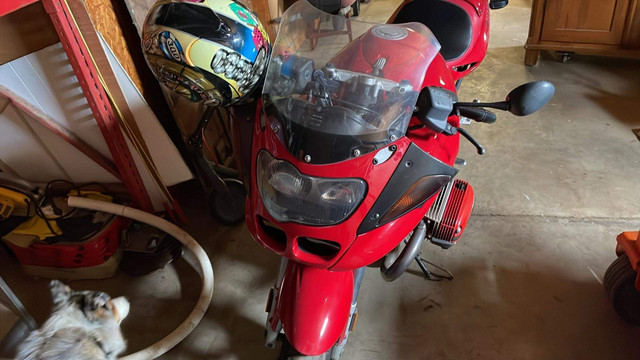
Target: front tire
x=619, y=285
x=287, y=352
x=227, y=208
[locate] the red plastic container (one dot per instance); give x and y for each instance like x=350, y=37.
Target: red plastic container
x=91, y=252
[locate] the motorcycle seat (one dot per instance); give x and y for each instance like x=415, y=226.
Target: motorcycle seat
x=449, y=23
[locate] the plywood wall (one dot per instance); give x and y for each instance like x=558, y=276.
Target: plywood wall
x=105, y=19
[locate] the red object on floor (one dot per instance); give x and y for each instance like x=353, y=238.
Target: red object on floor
x=629, y=243
x=94, y=251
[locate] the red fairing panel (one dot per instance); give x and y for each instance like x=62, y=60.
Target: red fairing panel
x=314, y=306
x=344, y=233
x=356, y=251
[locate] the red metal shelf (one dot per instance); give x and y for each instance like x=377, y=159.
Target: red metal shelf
x=96, y=95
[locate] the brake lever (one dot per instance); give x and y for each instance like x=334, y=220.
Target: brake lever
x=473, y=141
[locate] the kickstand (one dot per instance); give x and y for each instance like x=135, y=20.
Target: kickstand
x=431, y=276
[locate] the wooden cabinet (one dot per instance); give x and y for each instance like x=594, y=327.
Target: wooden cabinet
x=600, y=27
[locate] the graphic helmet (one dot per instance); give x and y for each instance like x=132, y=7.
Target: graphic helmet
x=210, y=51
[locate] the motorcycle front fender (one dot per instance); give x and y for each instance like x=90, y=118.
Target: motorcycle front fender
x=314, y=307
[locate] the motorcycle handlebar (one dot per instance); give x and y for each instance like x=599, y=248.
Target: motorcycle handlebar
x=478, y=114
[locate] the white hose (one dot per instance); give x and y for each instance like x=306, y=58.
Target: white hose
x=206, y=271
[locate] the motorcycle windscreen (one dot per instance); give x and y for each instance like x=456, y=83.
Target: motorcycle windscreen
x=337, y=88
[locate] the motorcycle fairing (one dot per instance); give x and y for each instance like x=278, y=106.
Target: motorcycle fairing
x=415, y=165
x=283, y=238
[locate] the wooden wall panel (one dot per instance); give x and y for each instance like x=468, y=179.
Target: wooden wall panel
x=261, y=8
x=25, y=31
x=104, y=18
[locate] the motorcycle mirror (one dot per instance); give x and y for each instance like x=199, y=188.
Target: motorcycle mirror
x=529, y=98
x=498, y=4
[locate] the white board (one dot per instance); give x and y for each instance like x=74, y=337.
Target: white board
x=46, y=79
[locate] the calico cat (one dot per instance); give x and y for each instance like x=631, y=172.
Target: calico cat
x=84, y=325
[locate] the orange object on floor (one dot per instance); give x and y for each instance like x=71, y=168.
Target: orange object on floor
x=629, y=243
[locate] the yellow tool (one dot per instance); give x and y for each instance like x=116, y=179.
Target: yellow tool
x=13, y=203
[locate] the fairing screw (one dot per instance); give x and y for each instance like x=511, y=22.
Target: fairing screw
x=374, y=161
x=275, y=128
x=307, y=158
x=393, y=148
x=376, y=216
x=356, y=152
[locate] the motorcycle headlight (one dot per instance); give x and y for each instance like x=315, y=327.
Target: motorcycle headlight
x=289, y=195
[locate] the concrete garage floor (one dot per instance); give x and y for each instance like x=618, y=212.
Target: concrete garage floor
x=552, y=192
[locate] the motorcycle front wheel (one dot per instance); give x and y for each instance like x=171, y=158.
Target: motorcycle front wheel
x=227, y=207
x=287, y=352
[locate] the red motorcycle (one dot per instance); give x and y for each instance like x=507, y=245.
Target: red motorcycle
x=352, y=156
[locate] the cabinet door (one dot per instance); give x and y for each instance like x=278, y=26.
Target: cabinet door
x=585, y=21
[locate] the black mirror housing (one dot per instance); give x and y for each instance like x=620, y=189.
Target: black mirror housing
x=498, y=4
x=529, y=98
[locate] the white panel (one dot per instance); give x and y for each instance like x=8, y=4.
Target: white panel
x=80, y=168
x=21, y=150
x=167, y=158
x=46, y=79
x=52, y=86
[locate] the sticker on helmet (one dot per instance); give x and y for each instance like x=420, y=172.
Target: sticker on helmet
x=170, y=46
x=242, y=13
x=233, y=67
x=258, y=38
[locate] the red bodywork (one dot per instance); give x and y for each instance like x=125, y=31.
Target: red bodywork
x=313, y=303
x=90, y=252
x=478, y=11
x=311, y=279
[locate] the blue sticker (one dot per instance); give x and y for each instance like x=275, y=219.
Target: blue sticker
x=170, y=46
x=249, y=49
